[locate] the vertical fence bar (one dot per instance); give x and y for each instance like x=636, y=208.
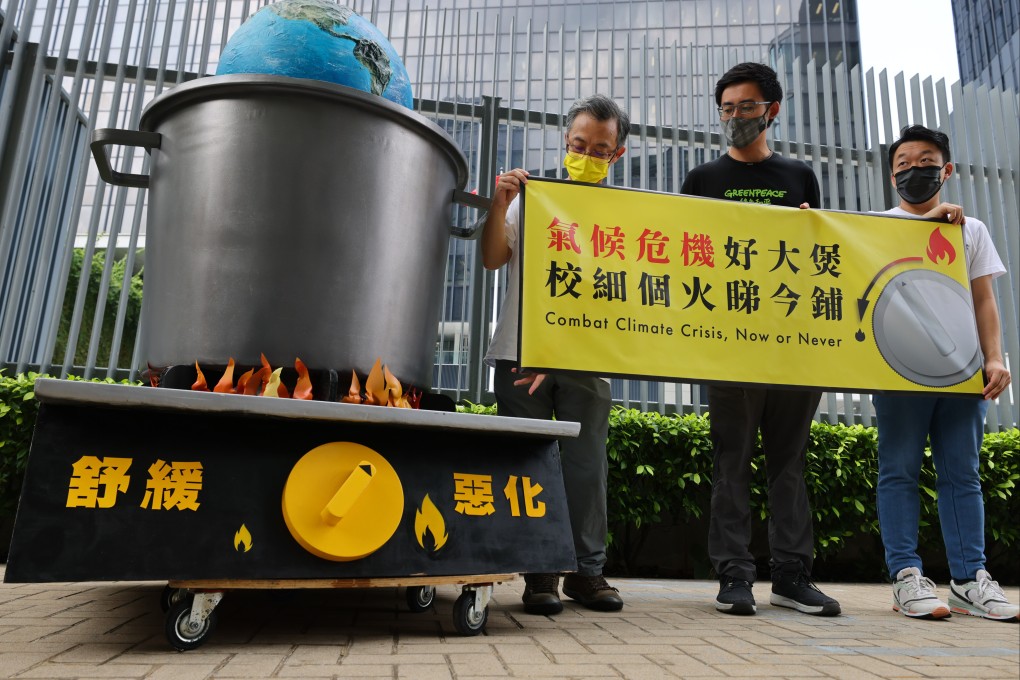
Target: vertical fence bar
x=994, y=214
x=140, y=196
x=100, y=189
x=782, y=145
x=15, y=239
x=12, y=81
x=37, y=203
x=182, y=49
x=528, y=55
x=119, y=205
x=545, y=98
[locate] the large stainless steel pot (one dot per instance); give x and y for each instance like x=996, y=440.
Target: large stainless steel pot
x=295, y=218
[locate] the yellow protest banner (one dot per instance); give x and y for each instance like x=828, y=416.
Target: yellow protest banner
x=620, y=282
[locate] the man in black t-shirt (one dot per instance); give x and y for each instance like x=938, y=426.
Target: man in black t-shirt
x=749, y=96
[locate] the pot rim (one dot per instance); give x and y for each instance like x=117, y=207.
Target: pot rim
x=235, y=85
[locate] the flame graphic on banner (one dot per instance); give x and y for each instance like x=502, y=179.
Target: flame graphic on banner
x=939, y=248
x=242, y=539
x=429, y=524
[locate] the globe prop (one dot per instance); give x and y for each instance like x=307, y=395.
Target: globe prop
x=319, y=40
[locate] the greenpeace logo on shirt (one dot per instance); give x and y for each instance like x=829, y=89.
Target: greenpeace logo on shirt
x=755, y=195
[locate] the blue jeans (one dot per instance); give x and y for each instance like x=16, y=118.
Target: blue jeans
x=956, y=429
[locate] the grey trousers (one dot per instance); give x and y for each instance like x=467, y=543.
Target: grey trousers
x=784, y=417
x=585, y=400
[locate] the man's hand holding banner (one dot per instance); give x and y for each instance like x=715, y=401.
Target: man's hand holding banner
x=619, y=282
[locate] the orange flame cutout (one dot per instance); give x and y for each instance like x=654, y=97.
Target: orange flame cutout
x=381, y=389
x=242, y=382
x=200, y=384
x=153, y=374
x=256, y=384
x=242, y=539
x=354, y=394
x=429, y=522
x=226, y=383
x=939, y=248
x=303, y=388
x=396, y=392
x=375, y=386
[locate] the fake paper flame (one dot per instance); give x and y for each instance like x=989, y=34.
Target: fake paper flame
x=303, y=388
x=353, y=395
x=375, y=386
x=939, y=248
x=264, y=382
x=226, y=383
x=242, y=539
x=273, y=385
x=199, y=385
x=381, y=389
x=429, y=522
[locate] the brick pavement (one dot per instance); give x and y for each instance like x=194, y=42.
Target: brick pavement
x=668, y=629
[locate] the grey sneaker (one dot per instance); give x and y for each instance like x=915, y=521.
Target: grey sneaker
x=914, y=596
x=982, y=597
x=542, y=594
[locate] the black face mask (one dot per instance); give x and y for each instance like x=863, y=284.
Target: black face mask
x=916, y=184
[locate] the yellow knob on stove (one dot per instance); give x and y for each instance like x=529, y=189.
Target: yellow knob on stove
x=342, y=501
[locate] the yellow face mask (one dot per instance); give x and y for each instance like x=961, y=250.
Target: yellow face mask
x=584, y=168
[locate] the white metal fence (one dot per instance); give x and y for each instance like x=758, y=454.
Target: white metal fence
x=69, y=67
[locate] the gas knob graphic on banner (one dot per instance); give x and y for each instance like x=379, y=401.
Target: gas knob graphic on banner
x=342, y=501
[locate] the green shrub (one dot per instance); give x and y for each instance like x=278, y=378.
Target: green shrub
x=18, y=411
x=131, y=314
x=660, y=477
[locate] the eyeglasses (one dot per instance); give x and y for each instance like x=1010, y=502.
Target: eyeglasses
x=600, y=155
x=742, y=109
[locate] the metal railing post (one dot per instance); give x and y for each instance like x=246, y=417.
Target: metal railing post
x=482, y=281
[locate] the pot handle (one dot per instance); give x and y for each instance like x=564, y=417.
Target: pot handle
x=472, y=201
x=105, y=137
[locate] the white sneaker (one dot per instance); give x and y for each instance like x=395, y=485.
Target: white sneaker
x=914, y=595
x=982, y=597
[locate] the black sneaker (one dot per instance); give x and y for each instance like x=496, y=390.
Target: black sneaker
x=794, y=589
x=735, y=596
x=542, y=594
x=593, y=592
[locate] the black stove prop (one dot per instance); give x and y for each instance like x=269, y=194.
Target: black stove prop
x=137, y=483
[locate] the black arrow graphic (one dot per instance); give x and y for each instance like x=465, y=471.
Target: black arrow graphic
x=862, y=302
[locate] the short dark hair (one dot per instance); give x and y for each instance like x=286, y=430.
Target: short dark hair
x=760, y=74
x=919, y=133
x=601, y=107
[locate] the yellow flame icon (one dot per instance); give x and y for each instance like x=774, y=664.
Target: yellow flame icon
x=428, y=522
x=242, y=539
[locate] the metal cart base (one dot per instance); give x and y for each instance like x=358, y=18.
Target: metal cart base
x=190, y=606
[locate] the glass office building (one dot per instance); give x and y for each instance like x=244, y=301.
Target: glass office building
x=597, y=41
x=988, y=42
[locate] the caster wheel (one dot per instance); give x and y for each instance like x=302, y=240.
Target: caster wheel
x=171, y=596
x=420, y=598
x=179, y=631
x=466, y=619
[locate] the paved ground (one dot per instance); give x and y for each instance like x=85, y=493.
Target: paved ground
x=668, y=629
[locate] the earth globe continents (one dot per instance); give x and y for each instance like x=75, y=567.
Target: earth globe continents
x=321, y=40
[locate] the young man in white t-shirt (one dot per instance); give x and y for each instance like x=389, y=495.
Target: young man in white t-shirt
x=920, y=162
